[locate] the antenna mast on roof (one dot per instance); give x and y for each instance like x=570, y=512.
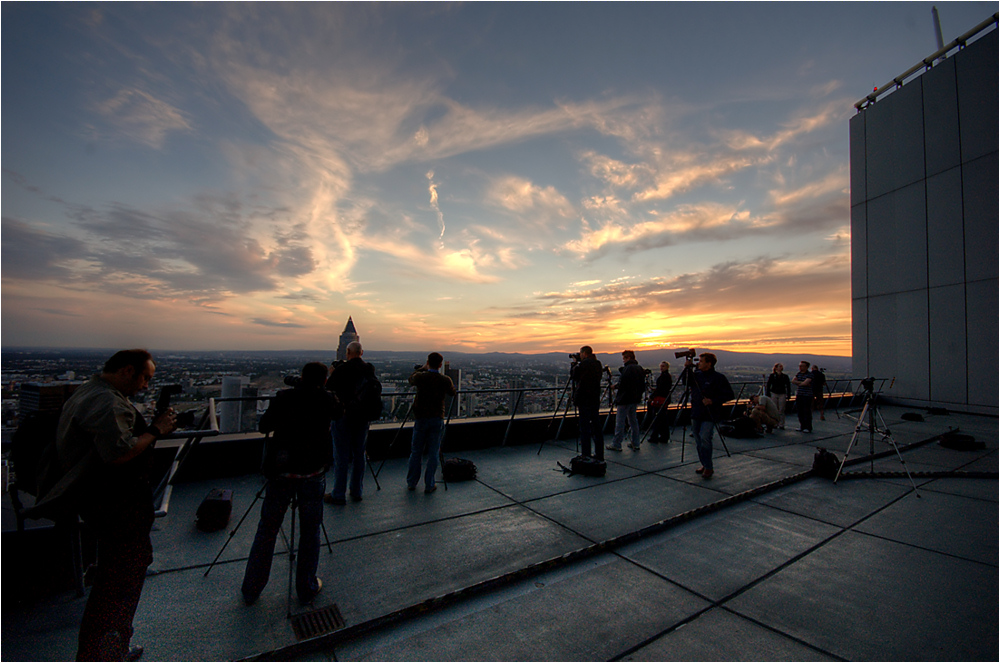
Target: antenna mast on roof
x=937, y=28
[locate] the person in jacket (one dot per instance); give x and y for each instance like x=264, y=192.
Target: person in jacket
x=709, y=390
x=297, y=455
x=100, y=470
x=628, y=394
x=656, y=411
x=779, y=388
x=350, y=433
x=586, y=374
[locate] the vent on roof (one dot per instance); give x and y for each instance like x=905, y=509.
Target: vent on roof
x=318, y=622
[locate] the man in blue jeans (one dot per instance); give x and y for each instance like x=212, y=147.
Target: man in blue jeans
x=350, y=432
x=709, y=390
x=428, y=420
x=296, y=458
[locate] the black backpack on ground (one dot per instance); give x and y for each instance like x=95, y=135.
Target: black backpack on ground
x=588, y=466
x=825, y=464
x=458, y=469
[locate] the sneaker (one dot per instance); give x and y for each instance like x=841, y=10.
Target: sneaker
x=135, y=652
x=632, y=447
x=700, y=470
x=356, y=498
x=612, y=447
x=428, y=491
x=411, y=487
x=707, y=474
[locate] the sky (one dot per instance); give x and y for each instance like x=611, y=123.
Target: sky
x=514, y=177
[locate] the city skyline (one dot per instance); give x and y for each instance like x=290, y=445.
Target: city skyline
x=484, y=177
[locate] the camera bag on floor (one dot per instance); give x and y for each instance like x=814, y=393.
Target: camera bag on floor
x=588, y=466
x=825, y=464
x=458, y=469
x=739, y=427
x=214, y=511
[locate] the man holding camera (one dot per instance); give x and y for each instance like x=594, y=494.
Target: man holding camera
x=296, y=458
x=586, y=375
x=628, y=394
x=428, y=420
x=101, y=467
x=709, y=390
x=350, y=432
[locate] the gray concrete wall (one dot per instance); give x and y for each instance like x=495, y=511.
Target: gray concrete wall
x=924, y=232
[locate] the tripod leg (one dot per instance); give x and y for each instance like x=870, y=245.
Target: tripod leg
x=854, y=438
x=372, y=470
x=233, y=533
x=291, y=552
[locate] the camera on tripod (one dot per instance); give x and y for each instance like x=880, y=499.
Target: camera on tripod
x=690, y=354
x=868, y=384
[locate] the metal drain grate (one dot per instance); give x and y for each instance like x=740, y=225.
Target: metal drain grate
x=318, y=622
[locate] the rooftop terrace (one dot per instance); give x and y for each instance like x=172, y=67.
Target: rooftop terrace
x=763, y=561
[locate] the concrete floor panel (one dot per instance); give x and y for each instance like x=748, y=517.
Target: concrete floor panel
x=718, y=635
x=719, y=553
x=615, y=508
x=591, y=617
x=843, y=503
x=375, y=575
x=930, y=522
x=864, y=598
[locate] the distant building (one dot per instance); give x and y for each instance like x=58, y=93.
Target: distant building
x=231, y=412
x=349, y=335
x=924, y=218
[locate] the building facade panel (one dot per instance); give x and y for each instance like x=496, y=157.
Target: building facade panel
x=894, y=141
x=858, y=172
x=941, y=134
x=859, y=251
x=898, y=342
x=981, y=298
x=945, y=233
x=980, y=210
x=976, y=70
x=947, y=344
x=859, y=338
x=897, y=241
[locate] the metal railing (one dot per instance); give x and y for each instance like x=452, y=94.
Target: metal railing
x=840, y=392
x=925, y=64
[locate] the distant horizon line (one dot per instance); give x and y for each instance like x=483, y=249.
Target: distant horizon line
x=333, y=351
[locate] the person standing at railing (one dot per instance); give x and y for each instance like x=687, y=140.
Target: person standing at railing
x=709, y=390
x=297, y=456
x=628, y=394
x=349, y=381
x=100, y=469
x=804, y=397
x=428, y=420
x=656, y=410
x=779, y=387
x=586, y=374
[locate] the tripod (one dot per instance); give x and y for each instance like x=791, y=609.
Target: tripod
x=570, y=382
x=289, y=540
x=687, y=377
x=870, y=410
